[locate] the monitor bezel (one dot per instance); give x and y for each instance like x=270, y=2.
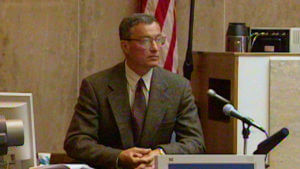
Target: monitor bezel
x=164, y=160
x=28, y=99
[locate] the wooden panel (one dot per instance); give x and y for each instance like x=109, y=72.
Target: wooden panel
x=261, y=13
x=209, y=26
x=285, y=111
x=212, y=18
x=99, y=36
x=38, y=44
x=219, y=135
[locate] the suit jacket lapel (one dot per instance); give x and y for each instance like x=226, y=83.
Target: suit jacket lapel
x=119, y=101
x=156, y=107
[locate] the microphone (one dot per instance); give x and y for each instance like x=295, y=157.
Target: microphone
x=213, y=94
x=229, y=110
x=268, y=144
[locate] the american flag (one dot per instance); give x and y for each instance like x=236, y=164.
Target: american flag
x=165, y=13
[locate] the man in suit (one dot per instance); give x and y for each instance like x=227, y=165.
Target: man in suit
x=126, y=115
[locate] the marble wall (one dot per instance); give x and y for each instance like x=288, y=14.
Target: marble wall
x=285, y=111
x=48, y=46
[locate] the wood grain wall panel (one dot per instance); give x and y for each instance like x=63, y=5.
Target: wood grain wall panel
x=285, y=111
x=261, y=13
x=99, y=33
x=212, y=18
x=209, y=26
x=38, y=43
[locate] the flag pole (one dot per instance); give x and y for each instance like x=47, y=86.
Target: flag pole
x=188, y=63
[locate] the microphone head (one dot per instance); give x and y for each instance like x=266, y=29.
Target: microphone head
x=227, y=109
x=211, y=92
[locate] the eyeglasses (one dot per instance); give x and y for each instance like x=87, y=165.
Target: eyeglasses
x=147, y=41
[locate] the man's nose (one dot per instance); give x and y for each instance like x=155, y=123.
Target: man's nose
x=154, y=46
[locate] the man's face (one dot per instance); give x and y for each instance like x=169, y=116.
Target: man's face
x=142, y=49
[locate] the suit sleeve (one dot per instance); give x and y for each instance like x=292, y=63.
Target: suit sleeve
x=81, y=141
x=189, y=135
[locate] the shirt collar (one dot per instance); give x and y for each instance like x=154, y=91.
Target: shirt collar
x=133, y=78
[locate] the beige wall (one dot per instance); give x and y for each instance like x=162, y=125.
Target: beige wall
x=285, y=111
x=39, y=54
x=213, y=16
x=48, y=46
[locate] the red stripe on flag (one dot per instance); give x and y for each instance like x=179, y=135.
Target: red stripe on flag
x=169, y=60
x=161, y=11
x=143, y=5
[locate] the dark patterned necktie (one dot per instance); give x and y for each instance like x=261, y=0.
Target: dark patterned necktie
x=138, y=110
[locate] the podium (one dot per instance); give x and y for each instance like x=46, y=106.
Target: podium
x=210, y=161
x=264, y=86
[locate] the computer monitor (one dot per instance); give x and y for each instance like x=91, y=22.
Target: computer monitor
x=210, y=161
x=20, y=106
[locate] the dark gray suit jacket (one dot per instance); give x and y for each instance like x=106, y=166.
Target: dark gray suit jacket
x=101, y=125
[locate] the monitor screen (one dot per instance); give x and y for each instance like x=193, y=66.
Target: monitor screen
x=211, y=166
x=19, y=106
x=202, y=161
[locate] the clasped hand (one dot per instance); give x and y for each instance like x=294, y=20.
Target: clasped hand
x=138, y=158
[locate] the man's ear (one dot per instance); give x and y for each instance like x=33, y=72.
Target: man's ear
x=125, y=46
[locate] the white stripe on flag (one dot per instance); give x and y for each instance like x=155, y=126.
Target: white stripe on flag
x=151, y=7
